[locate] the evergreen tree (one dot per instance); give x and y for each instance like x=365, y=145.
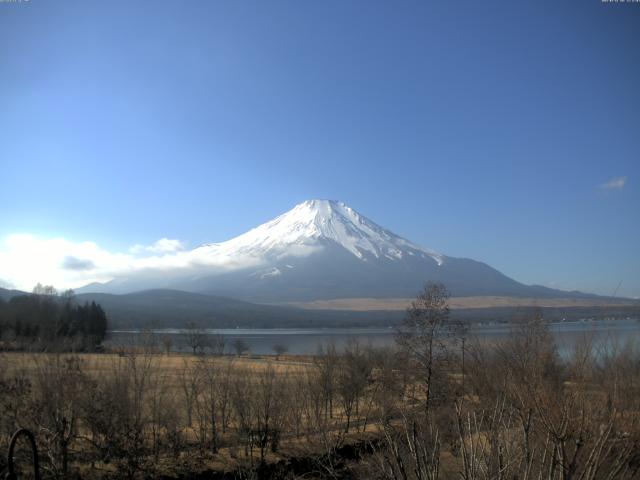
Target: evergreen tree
x=44, y=316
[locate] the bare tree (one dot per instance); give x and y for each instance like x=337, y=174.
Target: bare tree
x=224, y=394
x=116, y=411
x=56, y=407
x=240, y=346
x=353, y=378
x=167, y=343
x=326, y=362
x=211, y=403
x=425, y=334
x=410, y=450
x=268, y=408
x=45, y=290
x=160, y=407
x=196, y=338
x=279, y=349
x=240, y=395
x=217, y=344
x=190, y=387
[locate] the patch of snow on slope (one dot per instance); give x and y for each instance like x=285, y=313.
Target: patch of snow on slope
x=270, y=272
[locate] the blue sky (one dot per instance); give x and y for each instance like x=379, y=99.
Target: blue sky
x=480, y=129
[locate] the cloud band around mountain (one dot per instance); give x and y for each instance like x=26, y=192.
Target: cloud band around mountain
x=26, y=260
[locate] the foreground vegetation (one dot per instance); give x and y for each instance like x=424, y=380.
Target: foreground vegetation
x=437, y=406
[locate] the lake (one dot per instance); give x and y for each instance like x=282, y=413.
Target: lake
x=303, y=341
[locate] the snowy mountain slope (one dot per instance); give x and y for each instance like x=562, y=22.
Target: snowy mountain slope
x=320, y=249
x=301, y=230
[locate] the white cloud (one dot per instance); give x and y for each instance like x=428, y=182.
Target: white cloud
x=26, y=260
x=614, y=184
x=164, y=245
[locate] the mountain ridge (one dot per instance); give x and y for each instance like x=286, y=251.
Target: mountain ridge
x=318, y=250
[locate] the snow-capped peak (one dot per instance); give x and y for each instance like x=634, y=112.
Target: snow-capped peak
x=302, y=230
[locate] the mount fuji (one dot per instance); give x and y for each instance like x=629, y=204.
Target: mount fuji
x=321, y=249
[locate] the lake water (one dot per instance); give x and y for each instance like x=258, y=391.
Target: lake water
x=306, y=341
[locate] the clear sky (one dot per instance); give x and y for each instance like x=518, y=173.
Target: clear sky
x=507, y=132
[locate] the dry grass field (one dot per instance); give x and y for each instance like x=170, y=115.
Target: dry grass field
x=373, y=304
x=97, y=364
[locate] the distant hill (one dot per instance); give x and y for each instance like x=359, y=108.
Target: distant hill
x=6, y=294
x=173, y=308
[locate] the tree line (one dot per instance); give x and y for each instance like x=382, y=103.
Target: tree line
x=47, y=318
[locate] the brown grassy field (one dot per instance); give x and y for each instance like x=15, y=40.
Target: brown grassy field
x=172, y=365
x=394, y=304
